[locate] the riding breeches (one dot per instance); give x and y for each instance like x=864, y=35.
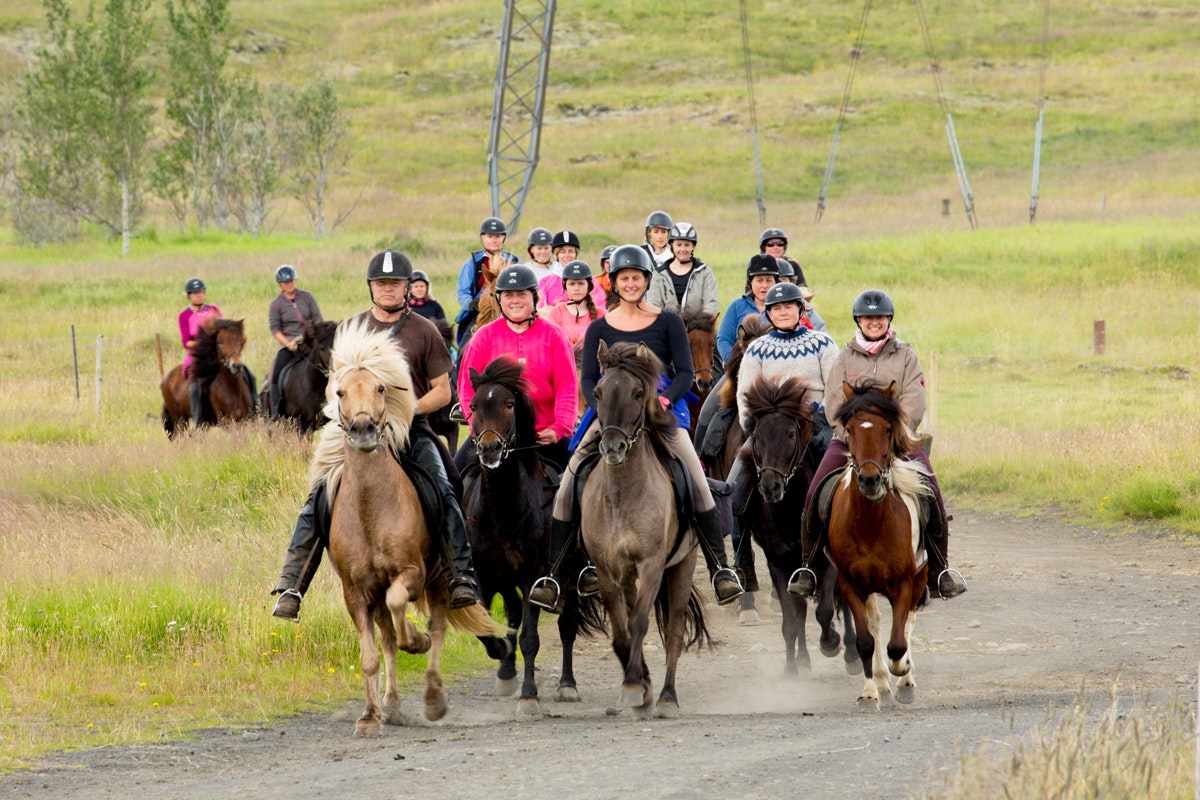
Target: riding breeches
x=680, y=445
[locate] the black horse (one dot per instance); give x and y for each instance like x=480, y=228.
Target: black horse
x=507, y=501
x=779, y=461
x=305, y=377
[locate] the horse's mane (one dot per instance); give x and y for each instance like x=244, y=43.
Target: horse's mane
x=646, y=369
x=509, y=373
x=699, y=321
x=789, y=397
x=752, y=327
x=357, y=347
x=869, y=398
x=206, y=357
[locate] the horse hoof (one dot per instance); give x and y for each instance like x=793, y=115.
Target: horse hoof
x=423, y=647
x=666, y=710
x=567, y=694
x=634, y=696
x=854, y=667
x=366, y=728
x=906, y=694
x=436, y=708
x=529, y=706
x=748, y=616
x=868, y=704
x=390, y=713
x=506, y=687
x=831, y=650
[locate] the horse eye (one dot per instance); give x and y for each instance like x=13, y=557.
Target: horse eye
x=381, y=389
x=510, y=405
x=341, y=392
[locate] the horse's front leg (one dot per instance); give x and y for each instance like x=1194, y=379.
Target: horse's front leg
x=516, y=614
x=869, y=699
x=399, y=595
x=830, y=642
x=879, y=665
x=368, y=659
x=793, y=612
x=390, y=708
x=899, y=660
x=636, y=689
x=568, y=630
x=531, y=643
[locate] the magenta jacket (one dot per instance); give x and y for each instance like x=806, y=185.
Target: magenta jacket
x=189, y=328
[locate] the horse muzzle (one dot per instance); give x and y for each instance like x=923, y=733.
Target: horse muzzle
x=490, y=454
x=873, y=487
x=614, y=454
x=364, y=434
x=772, y=489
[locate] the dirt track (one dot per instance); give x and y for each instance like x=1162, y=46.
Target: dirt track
x=1050, y=609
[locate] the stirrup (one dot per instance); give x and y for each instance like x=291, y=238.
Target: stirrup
x=284, y=594
x=549, y=583
x=794, y=582
x=951, y=571
x=732, y=575
x=579, y=581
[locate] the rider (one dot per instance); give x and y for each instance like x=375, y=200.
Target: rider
x=683, y=282
x=388, y=276
x=580, y=308
x=190, y=321
x=788, y=350
x=877, y=354
x=541, y=252
x=787, y=274
x=604, y=280
x=761, y=274
x=658, y=231
x=664, y=333
x=421, y=301
x=480, y=270
x=550, y=288
x=538, y=345
x=290, y=309
x=774, y=242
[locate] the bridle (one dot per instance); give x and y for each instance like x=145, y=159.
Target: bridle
x=794, y=463
x=630, y=438
x=506, y=441
x=884, y=472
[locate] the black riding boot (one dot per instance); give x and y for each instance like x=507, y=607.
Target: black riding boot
x=547, y=591
x=943, y=581
x=725, y=582
x=195, y=400
x=304, y=554
x=803, y=583
x=463, y=589
x=275, y=398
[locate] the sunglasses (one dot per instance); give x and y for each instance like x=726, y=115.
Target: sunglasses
x=776, y=244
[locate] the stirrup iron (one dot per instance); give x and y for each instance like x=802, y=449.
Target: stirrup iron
x=795, y=578
x=545, y=581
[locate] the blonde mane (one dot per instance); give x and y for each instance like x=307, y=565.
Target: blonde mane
x=356, y=347
x=908, y=478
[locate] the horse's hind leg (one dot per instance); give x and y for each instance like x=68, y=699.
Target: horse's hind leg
x=435, y=690
x=830, y=642
x=906, y=687
x=517, y=619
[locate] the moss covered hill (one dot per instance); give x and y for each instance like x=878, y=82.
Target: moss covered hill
x=647, y=107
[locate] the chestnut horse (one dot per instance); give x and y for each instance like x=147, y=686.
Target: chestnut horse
x=507, y=504
x=702, y=339
x=378, y=538
x=874, y=540
x=631, y=529
x=217, y=362
x=779, y=464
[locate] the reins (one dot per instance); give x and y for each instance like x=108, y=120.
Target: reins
x=794, y=463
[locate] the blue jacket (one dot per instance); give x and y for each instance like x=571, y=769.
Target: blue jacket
x=727, y=335
x=468, y=282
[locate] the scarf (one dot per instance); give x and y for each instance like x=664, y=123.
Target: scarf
x=872, y=347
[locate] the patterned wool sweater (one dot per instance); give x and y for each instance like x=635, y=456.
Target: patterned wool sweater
x=805, y=354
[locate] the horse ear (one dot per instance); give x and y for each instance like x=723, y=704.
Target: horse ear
x=716, y=317
x=643, y=351
x=890, y=391
x=848, y=390
x=601, y=351
x=474, y=375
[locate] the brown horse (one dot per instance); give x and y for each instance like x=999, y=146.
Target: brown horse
x=378, y=538
x=874, y=536
x=631, y=530
x=217, y=362
x=702, y=339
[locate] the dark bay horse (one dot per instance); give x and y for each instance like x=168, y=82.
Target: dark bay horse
x=217, y=362
x=781, y=427
x=874, y=536
x=507, y=504
x=378, y=539
x=643, y=558
x=702, y=339
x=305, y=381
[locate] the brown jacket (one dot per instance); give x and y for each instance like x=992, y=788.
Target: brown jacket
x=896, y=361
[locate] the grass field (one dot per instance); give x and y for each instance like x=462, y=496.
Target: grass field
x=145, y=564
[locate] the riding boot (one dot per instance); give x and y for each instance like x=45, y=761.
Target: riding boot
x=803, y=583
x=196, y=400
x=726, y=586
x=943, y=581
x=743, y=556
x=275, y=398
x=740, y=487
x=463, y=589
x=546, y=591
x=304, y=554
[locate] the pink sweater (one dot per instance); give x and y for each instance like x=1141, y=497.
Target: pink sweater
x=549, y=364
x=563, y=315
x=189, y=328
x=551, y=292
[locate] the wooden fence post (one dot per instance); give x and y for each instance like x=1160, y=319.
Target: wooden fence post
x=1098, y=336
x=99, y=347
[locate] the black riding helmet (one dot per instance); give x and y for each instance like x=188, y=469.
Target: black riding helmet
x=873, y=303
x=768, y=235
x=762, y=264
x=493, y=225
x=783, y=293
x=578, y=271
x=630, y=256
x=540, y=236
x=419, y=275
x=565, y=238
x=390, y=265
x=786, y=270
x=194, y=285
x=285, y=273
x=606, y=254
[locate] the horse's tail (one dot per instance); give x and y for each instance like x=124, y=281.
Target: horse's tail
x=476, y=621
x=591, y=616
x=695, y=628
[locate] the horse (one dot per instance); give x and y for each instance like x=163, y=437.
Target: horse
x=643, y=557
x=379, y=540
x=217, y=363
x=507, y=503
x=777, y=461
x=702, y=339
x=874, y=536
x=305, y=378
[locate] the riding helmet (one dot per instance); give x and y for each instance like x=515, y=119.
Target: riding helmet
x=762, y=264
x=516, y=278
x=786, y=270
x=684, y=231
x=606, y=253
x=576, y=271
x=873, y=303
x=768, y=235
x=493, y=225
x=783, y=293
x=420, y=275
x=630, y=256
x=194, y=285
x=565, y=239
x=285, y=273
x=390, y=265
x=658, y=219
x=540, y=236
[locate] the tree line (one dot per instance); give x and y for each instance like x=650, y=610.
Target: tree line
x=81, y=140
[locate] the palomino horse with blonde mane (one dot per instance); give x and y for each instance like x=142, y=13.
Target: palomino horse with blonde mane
x=874, y=540
x=378, y=537
x=643, y=558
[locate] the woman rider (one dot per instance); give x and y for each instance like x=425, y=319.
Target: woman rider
x=633, y=320
x=542, y=348
x=286, y=316
x=684, y=283
x=540, y=251
x=789, y=350
x=658, y=231
x=876, y=354
x=580, y=309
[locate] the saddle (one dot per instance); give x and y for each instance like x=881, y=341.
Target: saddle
x=680, y=481
x=427, y=493
x=823, y=503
